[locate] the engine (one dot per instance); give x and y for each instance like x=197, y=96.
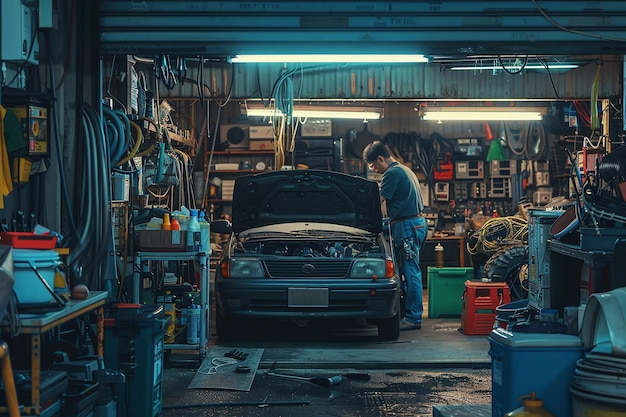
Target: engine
x=312, y=249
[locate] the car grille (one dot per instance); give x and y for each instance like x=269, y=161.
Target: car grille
x=323, y=268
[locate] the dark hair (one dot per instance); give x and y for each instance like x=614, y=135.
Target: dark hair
x=373, y=150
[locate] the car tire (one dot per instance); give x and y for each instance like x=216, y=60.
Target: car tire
x=389, y=329
x=510, y=265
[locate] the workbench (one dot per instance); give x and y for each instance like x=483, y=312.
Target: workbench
x=455, y=253
x=36, y=325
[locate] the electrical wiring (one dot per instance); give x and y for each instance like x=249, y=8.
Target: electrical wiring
x=496, y=232
x=566, y=29
x=57, y=144
x=117, y=133
x=547, y=68
x=90, y=249
x=138, y=142
x=521, y=66
x=68, y=52
x=110, y=80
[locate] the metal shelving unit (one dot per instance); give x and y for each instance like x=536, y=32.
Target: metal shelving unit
x=202, y=261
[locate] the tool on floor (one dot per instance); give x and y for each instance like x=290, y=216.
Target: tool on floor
x=327, y=382
x=358, y=376
x=239, y=355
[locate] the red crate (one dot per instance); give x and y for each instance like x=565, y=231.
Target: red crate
x=480, y=300
x=28, y=240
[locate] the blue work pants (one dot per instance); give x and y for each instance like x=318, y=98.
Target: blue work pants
x=409, y=236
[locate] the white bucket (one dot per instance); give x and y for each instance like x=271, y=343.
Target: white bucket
x=28, y=286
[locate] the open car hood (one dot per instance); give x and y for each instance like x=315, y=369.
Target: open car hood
x=287, y=196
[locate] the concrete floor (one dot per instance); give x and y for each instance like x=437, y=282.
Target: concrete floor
x=433, y=371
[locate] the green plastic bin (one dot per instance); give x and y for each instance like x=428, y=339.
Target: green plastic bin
x=445, y=290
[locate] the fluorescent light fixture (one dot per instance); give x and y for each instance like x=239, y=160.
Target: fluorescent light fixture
x=514, y=67
x=329, y=58
x=483, y=113
x=320, y=112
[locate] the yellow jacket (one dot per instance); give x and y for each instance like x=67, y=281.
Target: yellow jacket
x=6, y=184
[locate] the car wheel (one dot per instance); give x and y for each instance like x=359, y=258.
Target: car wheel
x=389, y=329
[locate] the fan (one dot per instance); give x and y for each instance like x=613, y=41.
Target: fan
x=235, y=136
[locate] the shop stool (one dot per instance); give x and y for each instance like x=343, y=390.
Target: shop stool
x=480, y=300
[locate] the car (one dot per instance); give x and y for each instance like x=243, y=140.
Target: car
x=307, y=245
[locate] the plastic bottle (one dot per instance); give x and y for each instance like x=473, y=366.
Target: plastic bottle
x=205, y=233
x=174, y=223
x=439, y=256
x=533, y=407
x=166, y=225
x=194, y=238
x=193, y=324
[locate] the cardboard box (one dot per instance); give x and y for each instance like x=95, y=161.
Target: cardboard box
x=261, y=144
x=262, y=132
x=162, y=240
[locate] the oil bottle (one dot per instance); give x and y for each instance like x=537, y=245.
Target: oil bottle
x=533, y=407
x=439, y=256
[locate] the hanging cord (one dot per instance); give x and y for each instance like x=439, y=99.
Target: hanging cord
x=496, y=232
x=138, y=142
x=89, y=252
x=57, y=143
x=595, y=120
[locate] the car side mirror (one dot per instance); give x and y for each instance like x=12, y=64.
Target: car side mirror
x=221, y=226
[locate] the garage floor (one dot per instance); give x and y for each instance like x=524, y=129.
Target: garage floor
x=420, y=374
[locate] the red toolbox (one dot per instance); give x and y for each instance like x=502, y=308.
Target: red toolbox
x=444, y=171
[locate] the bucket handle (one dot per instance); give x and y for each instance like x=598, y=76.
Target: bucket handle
x=60, y=301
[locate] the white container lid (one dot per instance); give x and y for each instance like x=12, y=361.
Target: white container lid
x=524, y=340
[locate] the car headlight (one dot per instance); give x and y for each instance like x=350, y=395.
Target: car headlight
x=242, y=268
x=368, y=268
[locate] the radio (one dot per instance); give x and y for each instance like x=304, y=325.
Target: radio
x=502, y=169
x=470, y=170
x=442, y=191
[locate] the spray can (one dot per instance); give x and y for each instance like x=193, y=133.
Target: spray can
x=193, y=324
x=439, y=256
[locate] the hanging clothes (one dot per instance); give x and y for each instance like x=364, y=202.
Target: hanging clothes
x=11, y=142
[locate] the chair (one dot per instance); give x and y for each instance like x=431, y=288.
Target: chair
x=6, y=291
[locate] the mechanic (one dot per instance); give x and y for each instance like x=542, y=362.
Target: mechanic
x=402, y=203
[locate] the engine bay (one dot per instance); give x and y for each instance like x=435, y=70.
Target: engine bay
x=311, y=249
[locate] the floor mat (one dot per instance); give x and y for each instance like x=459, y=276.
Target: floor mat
x=218, y=369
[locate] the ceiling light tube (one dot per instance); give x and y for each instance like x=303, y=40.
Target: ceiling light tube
x=513, y=67
x=483, y=113
x=330, y=58
x=320, y=112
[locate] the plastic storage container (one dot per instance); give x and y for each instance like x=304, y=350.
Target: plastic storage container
x=445, y=290
x=480, y=300
x=532, y=362
x=133, y=344
x=28, y=286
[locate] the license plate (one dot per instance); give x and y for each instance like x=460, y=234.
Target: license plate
x=307, y=297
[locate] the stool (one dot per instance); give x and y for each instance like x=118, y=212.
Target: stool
x=480, y=300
